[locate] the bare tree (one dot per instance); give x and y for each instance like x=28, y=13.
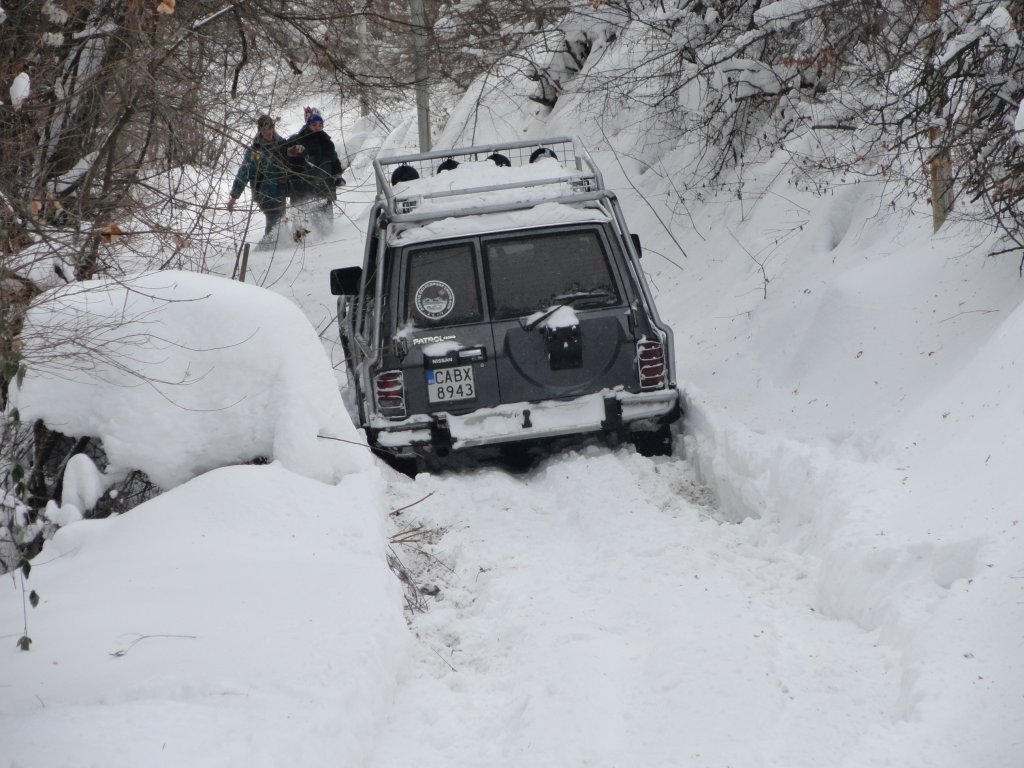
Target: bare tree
x=923, y=95
x=124, y=114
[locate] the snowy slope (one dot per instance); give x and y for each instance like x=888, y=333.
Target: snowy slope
x=830, y=571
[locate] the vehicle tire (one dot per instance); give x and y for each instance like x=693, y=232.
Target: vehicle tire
x=657, y=442
x=403, y=465
x=518, y=457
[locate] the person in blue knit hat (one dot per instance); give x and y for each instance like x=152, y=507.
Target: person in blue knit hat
x=315, y=170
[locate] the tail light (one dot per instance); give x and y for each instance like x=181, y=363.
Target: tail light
x=389, y=388
x=650, y=362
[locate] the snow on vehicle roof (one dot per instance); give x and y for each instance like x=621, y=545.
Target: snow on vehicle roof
x=543, y=215
x=477, y=184
x=484, y=173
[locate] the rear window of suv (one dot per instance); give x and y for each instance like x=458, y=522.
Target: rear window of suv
x=528, y=274
x=443, y=287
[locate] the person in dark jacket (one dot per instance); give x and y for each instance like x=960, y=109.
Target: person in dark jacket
x=313, y=163
x=264, y=169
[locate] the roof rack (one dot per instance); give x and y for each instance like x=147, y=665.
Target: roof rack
x=486, y=178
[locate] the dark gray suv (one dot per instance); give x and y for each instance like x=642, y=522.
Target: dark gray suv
x=501, y=301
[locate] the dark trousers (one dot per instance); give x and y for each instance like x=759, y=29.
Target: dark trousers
x=273, y=210
x=313, y=184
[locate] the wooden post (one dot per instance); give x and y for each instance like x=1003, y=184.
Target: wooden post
x=238, y=256
x=245, y=263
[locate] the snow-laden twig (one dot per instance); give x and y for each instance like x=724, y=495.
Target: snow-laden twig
x=139, y=638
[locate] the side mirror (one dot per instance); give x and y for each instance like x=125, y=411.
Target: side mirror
x=345, y=281
x=636, y=244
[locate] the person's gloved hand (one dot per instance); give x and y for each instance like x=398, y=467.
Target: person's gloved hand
x=231, y=204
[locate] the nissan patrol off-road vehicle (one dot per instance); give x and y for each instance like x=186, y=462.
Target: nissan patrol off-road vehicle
x=501, y=302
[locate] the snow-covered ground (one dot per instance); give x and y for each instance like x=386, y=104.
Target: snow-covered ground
x=598, y=611
x=829, y=572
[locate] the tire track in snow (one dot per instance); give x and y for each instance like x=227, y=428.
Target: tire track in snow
x=595, y=612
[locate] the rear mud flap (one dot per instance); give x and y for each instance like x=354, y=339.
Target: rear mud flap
x=440, y=436
x=612, y=415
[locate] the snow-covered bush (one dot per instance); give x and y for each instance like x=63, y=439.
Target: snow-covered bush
x=177, y=373
x=926, y=97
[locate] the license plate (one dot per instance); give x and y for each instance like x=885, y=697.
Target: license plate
x=446, y=384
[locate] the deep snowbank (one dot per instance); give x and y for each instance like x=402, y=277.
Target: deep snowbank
x=178, y=373
x=246, y=618
x=852, y=393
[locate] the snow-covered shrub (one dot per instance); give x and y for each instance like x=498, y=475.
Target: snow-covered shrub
x=177, y=373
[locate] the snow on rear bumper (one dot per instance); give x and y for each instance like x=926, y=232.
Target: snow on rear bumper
x=529, y=421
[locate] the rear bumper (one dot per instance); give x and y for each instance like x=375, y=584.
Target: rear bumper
x=598, y=412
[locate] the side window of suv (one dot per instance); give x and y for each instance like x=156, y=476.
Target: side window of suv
x=528, y=274
x=442, y=286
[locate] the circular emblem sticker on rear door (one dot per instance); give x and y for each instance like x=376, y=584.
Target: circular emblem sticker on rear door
x=435, y=300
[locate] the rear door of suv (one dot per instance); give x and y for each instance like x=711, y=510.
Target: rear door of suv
x=559, y=313
x=515, y=317
x=444, y=330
